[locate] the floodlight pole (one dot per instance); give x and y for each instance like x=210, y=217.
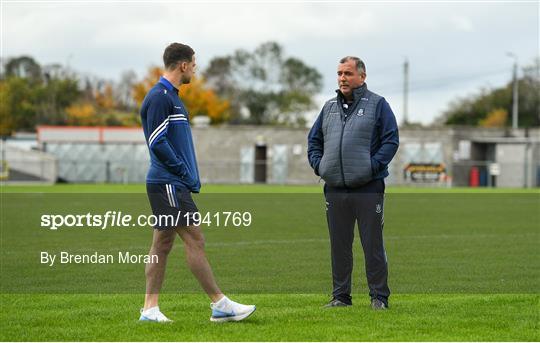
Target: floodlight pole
x=515, y=94
x=405, y=91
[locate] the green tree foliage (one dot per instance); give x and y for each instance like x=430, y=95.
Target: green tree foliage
x=475, y=109
x=32, y=95
x=264, y=86
x=17, y=109
x=24, y=67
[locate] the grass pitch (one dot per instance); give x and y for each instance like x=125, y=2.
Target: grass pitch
x=464, y=266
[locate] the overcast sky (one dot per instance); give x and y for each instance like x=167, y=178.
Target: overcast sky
x=454, y=48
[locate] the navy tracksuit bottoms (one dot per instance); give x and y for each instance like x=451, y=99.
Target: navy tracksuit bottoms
x=344, y=208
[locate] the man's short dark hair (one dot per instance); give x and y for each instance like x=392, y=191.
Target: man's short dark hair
x=360, y=66
x=176, y=53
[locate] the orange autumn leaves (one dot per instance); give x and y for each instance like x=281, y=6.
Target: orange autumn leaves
x=199, y=100
x=203, y=101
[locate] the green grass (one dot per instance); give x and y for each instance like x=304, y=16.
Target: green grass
x=464, y=266
x=279, y=317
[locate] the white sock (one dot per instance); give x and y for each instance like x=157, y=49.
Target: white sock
x=151, y=310
x=221, y=303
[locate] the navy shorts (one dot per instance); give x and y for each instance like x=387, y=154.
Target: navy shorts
x=172, y=206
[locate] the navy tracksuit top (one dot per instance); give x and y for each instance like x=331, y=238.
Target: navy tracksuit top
x=165, y=122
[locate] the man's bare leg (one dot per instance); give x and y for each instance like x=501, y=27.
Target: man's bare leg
x=162, y=244
x=196, y=259
x=223, y=309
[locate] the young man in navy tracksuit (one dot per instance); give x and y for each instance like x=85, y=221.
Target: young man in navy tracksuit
x=172, y=177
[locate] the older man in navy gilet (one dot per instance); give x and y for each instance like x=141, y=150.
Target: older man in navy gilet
x=350, y=146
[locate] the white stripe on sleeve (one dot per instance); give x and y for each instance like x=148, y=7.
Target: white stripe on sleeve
x=163, y=126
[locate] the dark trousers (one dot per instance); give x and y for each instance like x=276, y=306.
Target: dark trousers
x=344, y=208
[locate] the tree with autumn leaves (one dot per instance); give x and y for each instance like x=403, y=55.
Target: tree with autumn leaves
x=260, y=87
x=35, y=95
x=32, y=94
x=491, y=107
x=199, y=100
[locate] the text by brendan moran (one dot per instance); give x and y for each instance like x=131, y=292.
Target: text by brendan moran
x=123, y=257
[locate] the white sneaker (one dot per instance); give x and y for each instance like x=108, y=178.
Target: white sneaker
x=153, y=314
x=226, y=310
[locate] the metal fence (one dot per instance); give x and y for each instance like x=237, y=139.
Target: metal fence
x=458, y=174
x=292, y=171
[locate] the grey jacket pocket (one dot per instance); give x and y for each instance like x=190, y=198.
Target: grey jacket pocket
x=322, y=167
